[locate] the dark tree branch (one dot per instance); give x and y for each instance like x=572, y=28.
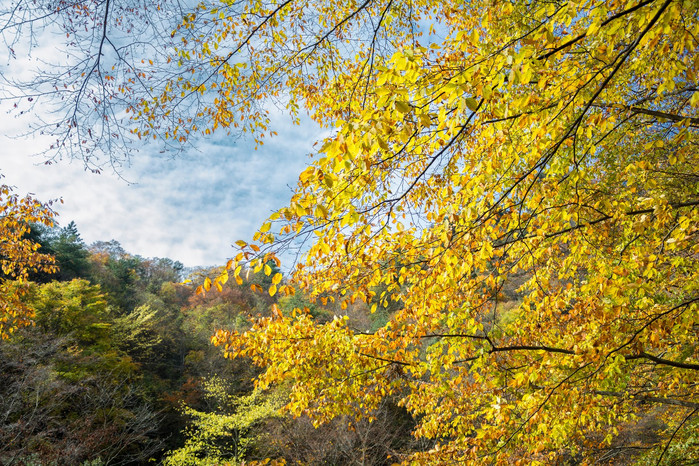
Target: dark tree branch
x=675, y=433
x=664, y=115
x=582, y=36
x=664, y=362
x=649, y=399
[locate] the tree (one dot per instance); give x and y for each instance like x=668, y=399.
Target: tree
x=223, y=435
x=19, y=256
x=132, y=70
x=67, y=395
x=73, y=308
x=475, y=144
x=68, y=250
x=550, y=141
x=78, y=92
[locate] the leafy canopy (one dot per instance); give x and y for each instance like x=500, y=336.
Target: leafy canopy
x=524, y=183
x=222, y=437
x=19, y=256
x=516, y=181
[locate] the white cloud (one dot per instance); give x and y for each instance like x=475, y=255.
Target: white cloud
x=190, y=209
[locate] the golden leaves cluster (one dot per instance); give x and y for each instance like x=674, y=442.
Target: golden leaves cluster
x=19, y=256
x=523, y=182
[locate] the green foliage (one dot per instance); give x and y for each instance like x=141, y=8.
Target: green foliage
x=118, y=273
x=74, y=308
x=138, y=331
x=66, y=398
x=223, y=435
x=130, y=279
x=71, y=254
x=300, y=301
x=682, y=443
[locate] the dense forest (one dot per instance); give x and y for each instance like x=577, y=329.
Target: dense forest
x=118, y=368
x=492, y=252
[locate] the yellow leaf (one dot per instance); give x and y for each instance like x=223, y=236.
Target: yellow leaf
x=472, y=104
x=402, y=107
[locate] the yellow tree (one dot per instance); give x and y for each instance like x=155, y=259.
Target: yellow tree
x=19, y=256
x=551, y=145
x=475, y=148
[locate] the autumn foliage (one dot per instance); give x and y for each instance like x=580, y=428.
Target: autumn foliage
x=512, y=184
x=522, y=180
x=19, y=256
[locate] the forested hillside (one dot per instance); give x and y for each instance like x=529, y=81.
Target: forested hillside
x=118, y=368
x=492, y=255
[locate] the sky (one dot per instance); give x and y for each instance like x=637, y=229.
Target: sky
x=191, y=208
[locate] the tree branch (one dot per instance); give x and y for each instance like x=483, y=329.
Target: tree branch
x=649, y=399
x=664, y=115
x=582, y=36
x=665, y=362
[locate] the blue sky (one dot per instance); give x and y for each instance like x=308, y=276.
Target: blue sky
x=190, y=209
